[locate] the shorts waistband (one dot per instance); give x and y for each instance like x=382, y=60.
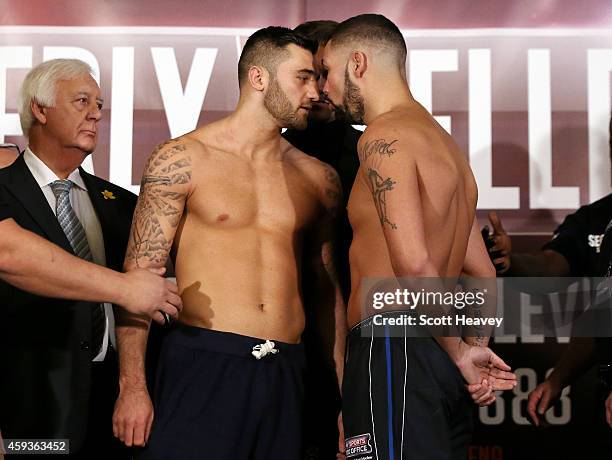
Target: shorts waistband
x=225, y=342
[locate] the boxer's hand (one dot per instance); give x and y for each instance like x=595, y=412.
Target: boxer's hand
x=149, y=294
x=500, y=252
x=341, y=455
x=481, y=393
x=480, y=364
x=133, y=417
x=609, y=409
x=540, y=399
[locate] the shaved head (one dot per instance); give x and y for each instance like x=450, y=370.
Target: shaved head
x=267, y=48
x=372, y=30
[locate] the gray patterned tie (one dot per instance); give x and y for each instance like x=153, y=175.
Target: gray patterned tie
x=69, y=221
x=77, y=238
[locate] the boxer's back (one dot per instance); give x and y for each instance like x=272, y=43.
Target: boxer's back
x=238, y=246
x=444, y=185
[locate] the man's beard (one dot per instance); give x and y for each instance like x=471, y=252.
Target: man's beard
x=278, y=105
x=353, y=108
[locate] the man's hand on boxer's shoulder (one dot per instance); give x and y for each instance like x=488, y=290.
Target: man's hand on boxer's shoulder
x=147, y=293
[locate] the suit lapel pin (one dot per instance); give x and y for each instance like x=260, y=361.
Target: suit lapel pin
x=108, y=195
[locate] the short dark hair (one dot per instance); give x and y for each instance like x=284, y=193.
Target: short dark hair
x=372, y=28
x=267, y=47
x=319, y=31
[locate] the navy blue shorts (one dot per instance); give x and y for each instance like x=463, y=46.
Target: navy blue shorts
x=403, y=398
x=214, y=400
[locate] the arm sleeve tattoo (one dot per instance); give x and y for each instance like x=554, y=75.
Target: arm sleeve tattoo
x=163, y=192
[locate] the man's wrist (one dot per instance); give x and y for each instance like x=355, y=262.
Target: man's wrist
x=557, y=379
x=458, y=351
x=122, y=290
x=132, y=383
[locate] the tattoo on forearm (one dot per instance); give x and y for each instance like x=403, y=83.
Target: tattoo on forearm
x=480, y=336
x=377, y=146
x=159, y=206
x=379, y=188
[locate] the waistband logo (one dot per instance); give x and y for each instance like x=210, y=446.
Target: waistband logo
x=358, y=445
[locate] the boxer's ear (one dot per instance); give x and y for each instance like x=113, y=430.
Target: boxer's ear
x=258, y=78
x=358, y=63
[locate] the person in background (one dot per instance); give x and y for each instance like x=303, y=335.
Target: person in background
x=8, y=154
x=576, y=249
x=333, y=141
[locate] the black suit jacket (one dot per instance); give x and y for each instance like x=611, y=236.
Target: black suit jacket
x=45, y=373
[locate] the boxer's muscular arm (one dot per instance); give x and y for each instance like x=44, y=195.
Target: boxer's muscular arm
x=165, y=187
x=166, y=183
x=330, y=312
x=390, y=171
x=477, y=264
x=388, y=162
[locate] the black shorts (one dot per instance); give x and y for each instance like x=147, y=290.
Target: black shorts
x=403, y=398
x=214, y=400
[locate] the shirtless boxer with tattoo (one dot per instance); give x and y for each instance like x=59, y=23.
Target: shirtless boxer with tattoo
x=412, y=210
x=240, y=211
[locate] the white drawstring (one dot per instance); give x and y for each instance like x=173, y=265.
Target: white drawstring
x=261, y=350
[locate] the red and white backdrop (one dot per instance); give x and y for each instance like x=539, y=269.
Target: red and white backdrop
x=523, y=86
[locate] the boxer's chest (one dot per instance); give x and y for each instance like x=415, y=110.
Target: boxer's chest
x=272, y=197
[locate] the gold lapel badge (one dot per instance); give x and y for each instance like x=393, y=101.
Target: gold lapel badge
x=108, y=195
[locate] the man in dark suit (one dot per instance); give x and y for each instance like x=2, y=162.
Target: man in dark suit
x=59, y=376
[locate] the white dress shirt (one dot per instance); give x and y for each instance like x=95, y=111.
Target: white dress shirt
x=84, y=210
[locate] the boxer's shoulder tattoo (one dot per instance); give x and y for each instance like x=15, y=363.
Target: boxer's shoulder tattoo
x=160, y=205
x=379, y=187
x=381, y=147
x=333, y=190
